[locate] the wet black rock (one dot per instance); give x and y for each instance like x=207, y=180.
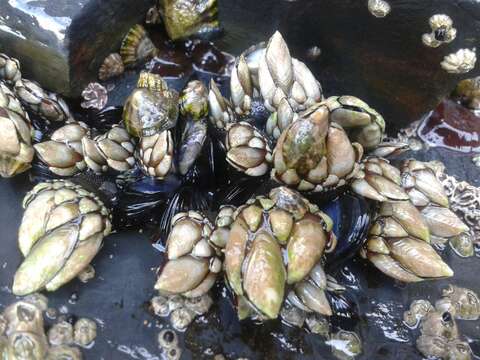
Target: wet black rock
x=62, y=43
x=380, y=60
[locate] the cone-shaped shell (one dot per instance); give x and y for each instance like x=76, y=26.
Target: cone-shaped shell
x=45, y=260
x=61, y=231
x=181, y=275
x=392, y=268
x=137, y=46
x=304, y=249
x=443, y=222
x=275, y=241
x=264, y=277
x=417, y=175
x=235, y=254
x=16, y=152
x=407, y=215
x=420, y=258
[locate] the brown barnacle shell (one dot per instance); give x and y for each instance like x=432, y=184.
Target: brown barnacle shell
x=462, y=303
x=49, y=106
x=62, y=230
x=460, y=62
x=422, y=185
x=313, y=154
x=9, y=69
x=112, y=66
x=193, y=265
x=398, y=244
x=63, y=153
x=378, y=180
x=365, y=125
x=113, y=150
x=137, y=46
x=16, y=151
x=247, y=149
x=281, y=76
x=10, y=101
x=184, y=18
x=275, y=241
x=155, y=154
x=25, y=334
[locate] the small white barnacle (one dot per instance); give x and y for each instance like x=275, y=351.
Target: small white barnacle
x=379, y=8
x=461, y=62
x=443, y=31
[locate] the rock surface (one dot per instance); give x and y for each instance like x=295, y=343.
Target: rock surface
x=62, y=43
x=380, y=60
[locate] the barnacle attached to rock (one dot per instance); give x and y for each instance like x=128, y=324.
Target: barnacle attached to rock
x=64, y=352
x=48, y=106
x=63, y=153
x=443, y=31
x=9, y=69
x=256, y=270
x=460, y=62
x=25, y=335
x=137, y=46
x=364, y=124
x=223, y=223
x=16, y=151
x=398, y=244
x=313, y=154
x=417, y=311
x=193, y=265
x=279, y=120
x=379, y=8
x=221, y=111
x=95, y=96
x=155, y=154
x=467, y=92
x=440, y=337
x=184, y=18
x=112, y=66
x=114, y=150
x=428, y=194
x=61, y=333
x=281, y=76
x=194, y=100
x=61, y=231
x=153, y=16
x=378, y=180
x=151, y=107
x=462, y=303
x=346, y=345
x=241, y=86
x=247, y=150
x=84, y=331
x=10, y=101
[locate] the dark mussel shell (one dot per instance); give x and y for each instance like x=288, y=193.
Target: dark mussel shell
x=103, y=120
x=184, y=199
x=241, y=189
x=351, y=217
x=345, y=310
x=142, y=198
